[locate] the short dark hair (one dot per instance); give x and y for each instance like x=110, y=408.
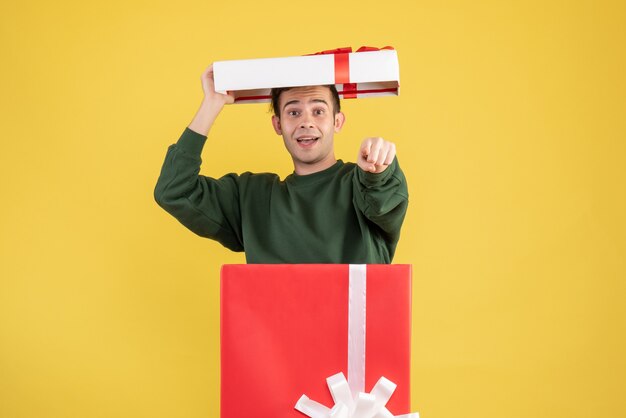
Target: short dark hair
x=276, y=92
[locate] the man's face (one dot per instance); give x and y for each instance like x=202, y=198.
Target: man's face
x=307, y=125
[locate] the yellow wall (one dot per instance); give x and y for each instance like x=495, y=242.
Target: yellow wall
x=510, y=128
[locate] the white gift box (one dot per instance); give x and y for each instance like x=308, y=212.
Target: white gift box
x=365, y=73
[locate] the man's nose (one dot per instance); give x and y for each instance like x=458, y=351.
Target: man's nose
x=306, y=122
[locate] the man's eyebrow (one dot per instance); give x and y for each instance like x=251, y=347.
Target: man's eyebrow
x=290, y=102
x=320, y=101
x=298, y=101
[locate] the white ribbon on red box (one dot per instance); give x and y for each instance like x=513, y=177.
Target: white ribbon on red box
x=363, y=405
x=351, y=400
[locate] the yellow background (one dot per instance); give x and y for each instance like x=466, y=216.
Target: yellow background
x=510, y=128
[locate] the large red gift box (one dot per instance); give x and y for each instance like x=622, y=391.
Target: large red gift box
x=285, y=329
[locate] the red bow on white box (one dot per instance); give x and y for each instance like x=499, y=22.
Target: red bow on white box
x=342, y=66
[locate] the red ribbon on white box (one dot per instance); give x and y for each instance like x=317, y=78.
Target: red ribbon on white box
x=342, y=67
x=351, y=400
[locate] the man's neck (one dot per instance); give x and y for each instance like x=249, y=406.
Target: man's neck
x=303, y=169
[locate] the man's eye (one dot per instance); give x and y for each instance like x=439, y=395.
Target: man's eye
x=293, y=113
x=319, y=111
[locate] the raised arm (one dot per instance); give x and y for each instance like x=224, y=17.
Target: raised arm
x=207, y=206
x=211, y=105
x=380, y=187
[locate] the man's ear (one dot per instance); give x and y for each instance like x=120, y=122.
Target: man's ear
x=276, y=125
x=340, y=119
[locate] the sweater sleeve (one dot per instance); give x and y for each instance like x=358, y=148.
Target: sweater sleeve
x=208, y=207
x=383, y=198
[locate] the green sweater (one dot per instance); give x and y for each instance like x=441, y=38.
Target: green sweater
x=340, y=215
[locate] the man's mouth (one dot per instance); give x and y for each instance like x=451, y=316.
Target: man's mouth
x=307, y=140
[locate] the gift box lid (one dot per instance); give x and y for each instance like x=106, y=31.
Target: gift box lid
x=366, y=73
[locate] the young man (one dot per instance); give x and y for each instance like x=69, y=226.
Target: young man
x=327, y=211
